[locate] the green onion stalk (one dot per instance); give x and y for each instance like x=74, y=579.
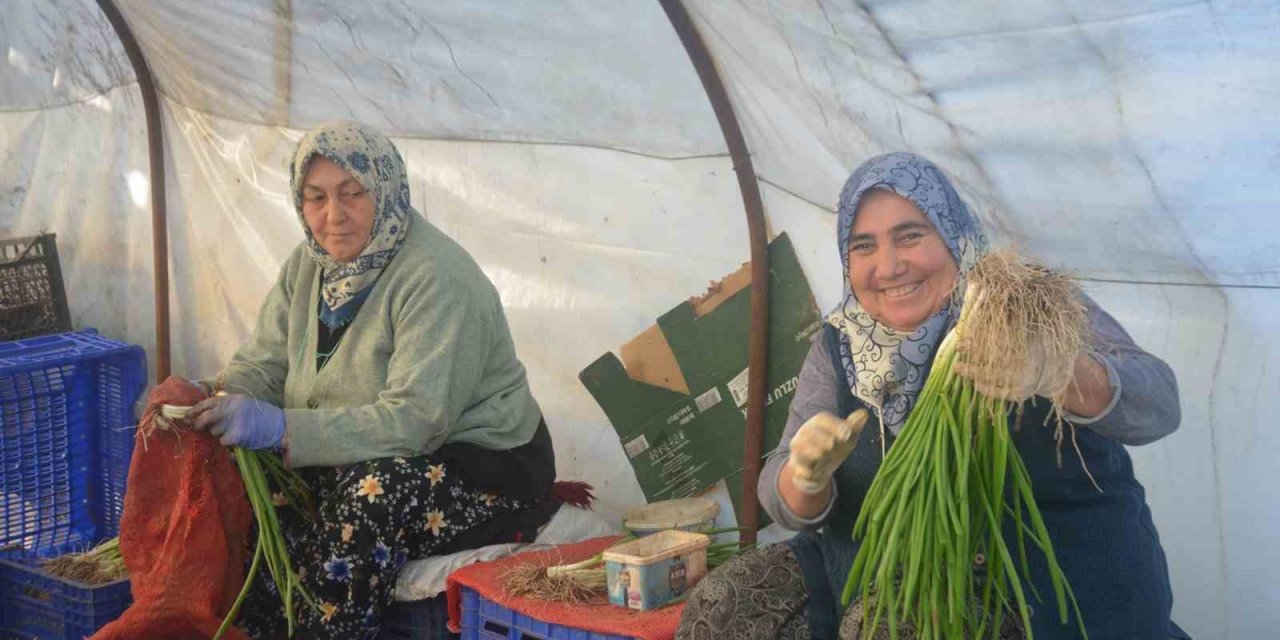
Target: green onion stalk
x=932, y=555
x=99, y=565
x=260, y=470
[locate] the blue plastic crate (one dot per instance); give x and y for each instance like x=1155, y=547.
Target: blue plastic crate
x=484, y=619
x=42, y=607
x=66, y=435
x=420, y=620
x=5, y=554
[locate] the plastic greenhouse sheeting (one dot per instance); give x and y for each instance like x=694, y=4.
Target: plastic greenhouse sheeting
x=568, y=145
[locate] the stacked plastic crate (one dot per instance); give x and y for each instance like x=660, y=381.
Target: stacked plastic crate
x=484, y=619
x=66, y=436
x=33, y=301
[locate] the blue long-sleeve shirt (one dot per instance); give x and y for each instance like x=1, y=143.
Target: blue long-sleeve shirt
x=1144, y=404
x=1103, y=534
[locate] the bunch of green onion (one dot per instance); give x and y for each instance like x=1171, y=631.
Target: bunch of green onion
x=260, y=470
x=953, y=482
x=721, y=552
x=583, y=580
x=591, y=572
x=99, y=565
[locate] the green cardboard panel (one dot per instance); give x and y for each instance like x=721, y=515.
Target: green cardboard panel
x=681, y=444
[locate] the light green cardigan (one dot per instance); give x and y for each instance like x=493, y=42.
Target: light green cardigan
x=427, y=360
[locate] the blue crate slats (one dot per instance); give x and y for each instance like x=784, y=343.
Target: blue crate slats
x=66, y=436
x=484, y=619
x=41, y=606
x=66, y=404
x=419, y=620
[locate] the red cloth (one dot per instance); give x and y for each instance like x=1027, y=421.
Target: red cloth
x=486, y=579
x=184, y=533
x=574, y=493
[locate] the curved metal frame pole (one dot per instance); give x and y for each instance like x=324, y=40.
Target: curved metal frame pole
x=758, y=342
x=155, y=151
x=757, y=353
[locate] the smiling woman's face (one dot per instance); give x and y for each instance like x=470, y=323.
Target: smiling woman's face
x=337, y=209
x=899, y=268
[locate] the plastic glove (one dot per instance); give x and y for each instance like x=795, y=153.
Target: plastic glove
x=240, y=421
x=820, y=446
x=1035, y=378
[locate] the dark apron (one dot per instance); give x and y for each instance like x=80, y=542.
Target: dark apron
x=1105, y=541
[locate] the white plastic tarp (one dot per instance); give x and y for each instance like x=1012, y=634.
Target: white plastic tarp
x=569, y=146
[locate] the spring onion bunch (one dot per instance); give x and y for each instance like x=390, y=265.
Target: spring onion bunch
x=583, y=581
x=99, y=565
x=933, y=556
x=259, y=470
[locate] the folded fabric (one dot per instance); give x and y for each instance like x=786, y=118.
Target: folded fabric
x=427, y=578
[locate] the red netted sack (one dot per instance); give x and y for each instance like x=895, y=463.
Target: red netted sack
x=184, y=533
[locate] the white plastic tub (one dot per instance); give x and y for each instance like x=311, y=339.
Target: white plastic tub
x=652, y=571
x=685, y=514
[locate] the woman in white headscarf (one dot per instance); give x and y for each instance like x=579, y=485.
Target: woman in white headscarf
x=906, y=241
x=383, y=368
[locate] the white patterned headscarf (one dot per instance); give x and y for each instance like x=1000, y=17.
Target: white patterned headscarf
x=374, y=162
x=886, y=368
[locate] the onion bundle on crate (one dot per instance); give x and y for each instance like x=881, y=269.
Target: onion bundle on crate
x=586, y=581
x=99, y=565
x=953, y=482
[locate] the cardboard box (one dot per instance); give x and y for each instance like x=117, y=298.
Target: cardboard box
x=677, y=396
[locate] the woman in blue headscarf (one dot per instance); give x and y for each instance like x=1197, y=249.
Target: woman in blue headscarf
x=383, y=368
x=906, y=241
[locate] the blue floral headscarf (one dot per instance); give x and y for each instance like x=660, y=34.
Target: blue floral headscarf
x=886, y=368
x=374, y=162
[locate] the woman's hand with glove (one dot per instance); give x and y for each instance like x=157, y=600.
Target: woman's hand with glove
x=819, y=446
x=1034, y=378
x=239, y=421
x=1085, y=388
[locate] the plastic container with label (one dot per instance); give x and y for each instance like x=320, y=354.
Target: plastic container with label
x=650, y=572
x=684, y=514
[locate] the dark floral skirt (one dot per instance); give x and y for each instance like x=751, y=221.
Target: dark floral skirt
x=371, y=518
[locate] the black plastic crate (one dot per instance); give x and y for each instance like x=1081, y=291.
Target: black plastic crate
x=33, y=301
